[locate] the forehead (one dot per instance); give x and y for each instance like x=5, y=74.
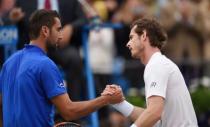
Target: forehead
x=57, y=22
x=132, y=32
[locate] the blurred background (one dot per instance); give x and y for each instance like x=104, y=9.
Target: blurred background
x=187, y=23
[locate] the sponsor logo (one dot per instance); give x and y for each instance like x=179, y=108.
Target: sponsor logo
x=61, y=85
x=153, y=84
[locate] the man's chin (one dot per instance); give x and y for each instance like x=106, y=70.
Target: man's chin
x=51, y=48
x=57, y=46
x=133, y=55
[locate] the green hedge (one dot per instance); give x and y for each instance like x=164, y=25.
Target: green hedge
x=201, y=99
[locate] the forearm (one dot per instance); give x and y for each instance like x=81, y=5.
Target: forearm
x=137, y=111
x=152, y=113
x=83, y=108
x=147, y=119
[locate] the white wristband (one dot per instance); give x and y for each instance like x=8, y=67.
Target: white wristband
x=133, y=125
x=124, y=107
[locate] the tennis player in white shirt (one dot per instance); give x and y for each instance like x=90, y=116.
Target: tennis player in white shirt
x=167, y=97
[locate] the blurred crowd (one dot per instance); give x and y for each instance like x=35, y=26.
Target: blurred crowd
x=187, y=23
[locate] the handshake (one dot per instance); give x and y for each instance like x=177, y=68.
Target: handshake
x=113, y=94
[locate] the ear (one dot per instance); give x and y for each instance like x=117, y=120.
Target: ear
x=45, y=31
x=144, y=35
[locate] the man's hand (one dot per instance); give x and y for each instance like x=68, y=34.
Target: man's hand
x=16, y=15
x=113, y=93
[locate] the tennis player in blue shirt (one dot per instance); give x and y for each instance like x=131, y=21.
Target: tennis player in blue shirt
x=30, y=83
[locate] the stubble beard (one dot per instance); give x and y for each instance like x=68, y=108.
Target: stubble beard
x=138, y=55
x=51, y=46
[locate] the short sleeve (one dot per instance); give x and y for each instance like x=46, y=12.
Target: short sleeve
x=51, y=80
x=156, y=80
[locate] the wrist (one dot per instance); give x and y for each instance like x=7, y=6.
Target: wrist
x=104, y=100
x=124, y=107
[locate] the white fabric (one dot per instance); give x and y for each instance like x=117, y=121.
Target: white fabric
x=133, y=125
x=101, y=50
x=54, y=4
x=124, y=107
x=163, y=78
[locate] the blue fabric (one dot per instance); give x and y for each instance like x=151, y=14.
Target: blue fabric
x=28, y=80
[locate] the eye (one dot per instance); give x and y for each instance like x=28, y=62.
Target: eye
x=59, y=29
x=130, y=37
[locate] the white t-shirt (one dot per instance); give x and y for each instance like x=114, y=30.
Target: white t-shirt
x=163, y=78
x=101, y=50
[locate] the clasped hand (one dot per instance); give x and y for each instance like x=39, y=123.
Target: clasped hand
x=113, y=93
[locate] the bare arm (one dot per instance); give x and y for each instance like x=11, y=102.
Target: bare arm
x=137, y=111
x=152, y=113
x=141, y=117
x=74, y=110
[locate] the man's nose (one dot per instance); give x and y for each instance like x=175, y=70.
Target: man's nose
x=128, y=44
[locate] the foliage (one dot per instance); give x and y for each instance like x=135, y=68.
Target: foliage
x=136, y=100
x=201, y=99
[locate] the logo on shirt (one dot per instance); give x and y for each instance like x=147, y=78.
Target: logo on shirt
x=153, y=84
x=61, y=85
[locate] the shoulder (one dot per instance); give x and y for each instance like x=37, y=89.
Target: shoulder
x=47, y=67
x=13, y=58
x=47, y=63
x=160, y=64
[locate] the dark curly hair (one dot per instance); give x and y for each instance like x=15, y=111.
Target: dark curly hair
x=157, y=36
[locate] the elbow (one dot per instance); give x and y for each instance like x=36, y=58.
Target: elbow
x=68, y=118
x=157, y=115
x=69, y=114
x=154, y=114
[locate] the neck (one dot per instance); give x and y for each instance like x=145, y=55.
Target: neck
x=148, y=54
x=40, y=43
